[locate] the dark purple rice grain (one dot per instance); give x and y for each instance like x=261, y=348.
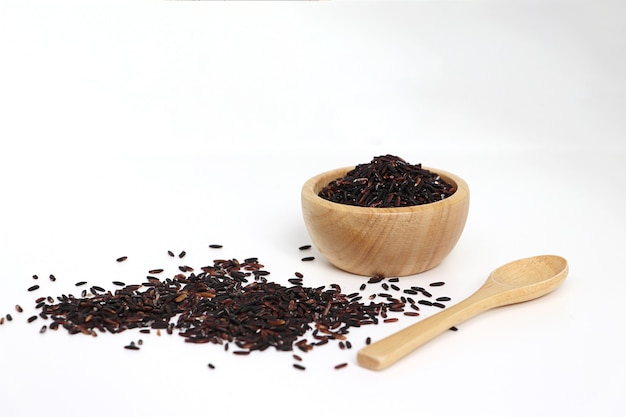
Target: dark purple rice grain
x=297, y=357
x=131, y=346
x=182, y=254
x=35, y=276
x=155, y=271
x=33, y=288
x=9, y=317
x=375, y=279
x=414, y=307
x=385, y=286
x=425, y=302
x=118, y=283
x=308, y=258
x=97, y=288
x=80, y=283
x=368, y=340
x=170, y=253
x=440, y=305
x=304, y=247
x=411, y=313
x=32, y=319
x=426, y=293
x=43, y=329
x=241, y=352
x=443, y=299
x=391, y=320
x=454, y=328
x=341, y=365
x=299, y=275
x=18, y=308
x=215, y=246
x=52, y=278
x=122, y=258
x=348, y=344
x=211, y=366
x=362, y=287
x=437, y=284
x=395, y=279
x=395, y=287
x=299, y=367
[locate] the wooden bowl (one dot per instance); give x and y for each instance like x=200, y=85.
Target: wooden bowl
x=384, y=241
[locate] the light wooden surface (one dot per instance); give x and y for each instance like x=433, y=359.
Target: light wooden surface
x=384, y=241
x=515, y=282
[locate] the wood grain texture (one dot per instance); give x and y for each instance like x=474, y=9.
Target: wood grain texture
x=515, y=282
x=384, y=241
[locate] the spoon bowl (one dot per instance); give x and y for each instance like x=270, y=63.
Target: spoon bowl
x=515, y=282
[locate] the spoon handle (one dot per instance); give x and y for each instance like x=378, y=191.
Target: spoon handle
x=387, y=351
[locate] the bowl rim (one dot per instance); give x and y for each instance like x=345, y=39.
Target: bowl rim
x=308, y=192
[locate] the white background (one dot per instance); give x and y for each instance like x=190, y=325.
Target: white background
x=133, y=128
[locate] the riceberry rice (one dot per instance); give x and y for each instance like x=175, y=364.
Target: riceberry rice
x=226, y=302
x=387, y=181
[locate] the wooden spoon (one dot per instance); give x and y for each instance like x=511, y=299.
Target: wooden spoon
x=515, y=282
